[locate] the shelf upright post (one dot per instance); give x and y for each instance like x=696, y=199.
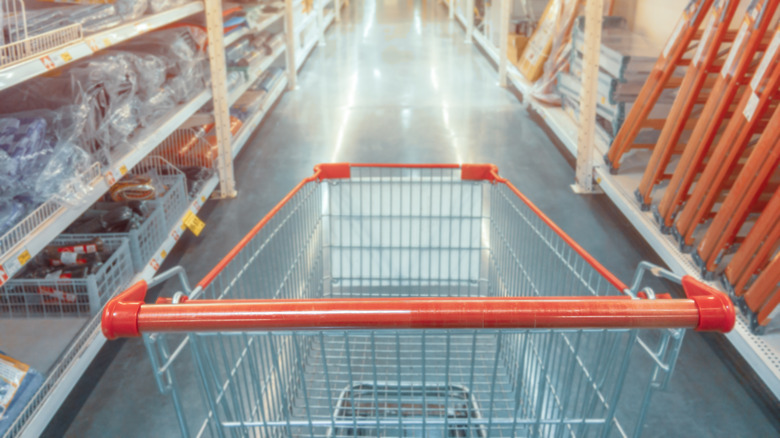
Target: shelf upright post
x=219, y=91
x=469, y=20
x=503, y=45
x=594, y=10
x=289, y=36
x=337, y=7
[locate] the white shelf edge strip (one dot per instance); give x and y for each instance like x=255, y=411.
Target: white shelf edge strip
x=88, y=45
x=306, y=22
x=762, y=353
x=254, y=74
x=249, y=127
x=303, y=54
x=94, y=340
x=46, y=231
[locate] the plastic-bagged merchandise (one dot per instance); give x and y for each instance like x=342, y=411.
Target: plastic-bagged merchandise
x=162, y=5
x=131, y=9
x=12, y=372
x=18, y=384
x=185, y=60
x=39, y=159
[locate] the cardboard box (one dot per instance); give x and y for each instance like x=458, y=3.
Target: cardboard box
x=515, y=47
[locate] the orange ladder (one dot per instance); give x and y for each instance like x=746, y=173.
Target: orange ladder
x=707, y=60
x=684, y=34
x=732, y=76
x=731, y=146
x=742, y=198
x=754, y=253
x=764, y=294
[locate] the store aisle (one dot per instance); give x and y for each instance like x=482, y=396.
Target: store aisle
x=396, y=83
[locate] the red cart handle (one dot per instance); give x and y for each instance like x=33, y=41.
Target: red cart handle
x=704, y=309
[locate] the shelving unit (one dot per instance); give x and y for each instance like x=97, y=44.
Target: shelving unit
x=62, y=349
x=762, y=353
x=90, y=44
x=71, y=363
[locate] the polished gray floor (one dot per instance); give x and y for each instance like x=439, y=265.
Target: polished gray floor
x=396, y=83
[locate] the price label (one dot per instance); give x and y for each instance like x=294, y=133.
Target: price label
x=92, y=45
x=175, y=235
x=106, y=42
x=123, y=170
x=24, y=257
x=110, y=178
x=66, y=57
x=202, y=198
x=163, y=254
x=3, y=275
x=154, y=264
x=194, y=223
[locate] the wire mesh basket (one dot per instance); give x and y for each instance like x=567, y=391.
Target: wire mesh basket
x=175, y=199
x=412, y=301
x=18, y=44
x=70, y=297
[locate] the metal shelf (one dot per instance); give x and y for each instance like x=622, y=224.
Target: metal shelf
x=762, y=353
x=44, y=228
x=251, y=124
x=44, y=62
x=80, y=353
x=254, y=73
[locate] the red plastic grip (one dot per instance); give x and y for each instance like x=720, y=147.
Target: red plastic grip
x=120, y=316
x=716, y=311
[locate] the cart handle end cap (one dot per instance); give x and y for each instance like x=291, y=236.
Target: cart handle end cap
x=716, y=311
x=120, y=316
x=332, y=171
x=479, y=172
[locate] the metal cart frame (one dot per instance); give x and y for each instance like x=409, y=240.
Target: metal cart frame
x=413, y=300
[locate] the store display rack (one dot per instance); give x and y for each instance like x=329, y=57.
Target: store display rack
x=74, y=361
x=64, y=348
x=761, y=353
x=41, y=63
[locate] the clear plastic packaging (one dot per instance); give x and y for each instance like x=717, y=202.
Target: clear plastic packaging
x=131, y=9
x=162, y=5
x=39, y=159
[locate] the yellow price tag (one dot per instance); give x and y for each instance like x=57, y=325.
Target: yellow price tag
x=202, y=199
x=123, y=170
x=163, y=254
x=66, y=57
x=194, y=223
x=24, y=257
x=106, y=42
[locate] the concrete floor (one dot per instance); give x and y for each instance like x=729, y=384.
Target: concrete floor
x=396, y=83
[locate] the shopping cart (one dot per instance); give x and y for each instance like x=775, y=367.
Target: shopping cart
x=431, y=300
